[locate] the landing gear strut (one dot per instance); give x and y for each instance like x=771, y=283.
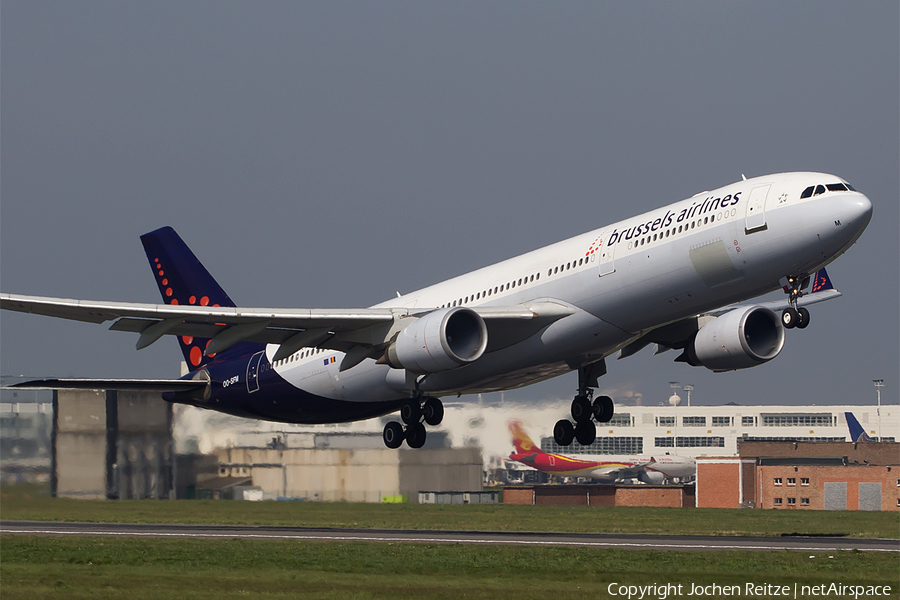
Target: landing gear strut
x=793, y=316
x=413, y=413
x=585, y=409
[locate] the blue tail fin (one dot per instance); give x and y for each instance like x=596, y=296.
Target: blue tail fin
x=182, y=279
x=821, y=282
x=857, y=434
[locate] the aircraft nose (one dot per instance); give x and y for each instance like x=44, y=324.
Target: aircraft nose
x=856, y=211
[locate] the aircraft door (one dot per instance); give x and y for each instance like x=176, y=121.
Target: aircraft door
x=607, y=255
x=253, y=372
x=756, y=209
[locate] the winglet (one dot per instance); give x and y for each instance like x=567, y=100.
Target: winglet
x=821, y=282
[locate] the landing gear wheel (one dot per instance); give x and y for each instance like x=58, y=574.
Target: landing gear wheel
x=411, y=412
x=563, y=432
x=581, y=409
x=415, y=435
x=603, y=409
x=803, y=320
x=393, y=435
x=433, y=409
x=790, y=317
x=586, y=433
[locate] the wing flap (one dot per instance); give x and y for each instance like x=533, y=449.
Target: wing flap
x=129, y=385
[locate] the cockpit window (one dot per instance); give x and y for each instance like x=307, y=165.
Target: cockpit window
x=815, y=190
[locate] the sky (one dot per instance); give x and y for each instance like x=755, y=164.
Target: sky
x=329, y=154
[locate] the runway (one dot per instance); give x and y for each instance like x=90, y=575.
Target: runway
x=326, y=534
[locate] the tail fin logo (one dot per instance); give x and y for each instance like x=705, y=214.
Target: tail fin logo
x=521, y=440
x=857, y=433
x=183, y=280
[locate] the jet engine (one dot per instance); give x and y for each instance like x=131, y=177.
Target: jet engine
x=652, y=477
x=744, y=337
x=439, y=341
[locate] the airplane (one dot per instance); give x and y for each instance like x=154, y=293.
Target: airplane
x=647, y=469
x=679, y=277
x=857, y=433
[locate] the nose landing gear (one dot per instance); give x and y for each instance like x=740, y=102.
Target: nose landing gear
x=413, y=413
x=793, y=316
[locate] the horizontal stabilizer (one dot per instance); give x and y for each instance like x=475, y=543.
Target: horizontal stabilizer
x=124, y=385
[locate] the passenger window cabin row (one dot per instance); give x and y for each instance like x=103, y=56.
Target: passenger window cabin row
x=510, y=285
x=685, y=227
x=299, y=355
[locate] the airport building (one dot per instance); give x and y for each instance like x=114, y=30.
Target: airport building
x=99, y=444
x=803, y=476
x=26, y=425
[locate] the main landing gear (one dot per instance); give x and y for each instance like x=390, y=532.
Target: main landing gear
x=414, y=414
x=585, y=409
x=793, y=316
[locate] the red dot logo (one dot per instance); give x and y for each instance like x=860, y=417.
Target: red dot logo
x=196, y=356
x=187, y=339
x=165, y=282
x=174, y=301
x=193, y=299
x=169, y=292
x=204, y=301
x=161, y=273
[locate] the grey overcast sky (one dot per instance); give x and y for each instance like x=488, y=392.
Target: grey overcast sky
x=326, y=154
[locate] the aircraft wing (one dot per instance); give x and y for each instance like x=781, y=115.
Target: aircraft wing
x=677, y=334
x=337, y=329
x=779, y=305
x=821, y=290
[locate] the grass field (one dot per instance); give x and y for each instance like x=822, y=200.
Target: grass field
x=32, y=567
x=48, y=567
x=23, y=502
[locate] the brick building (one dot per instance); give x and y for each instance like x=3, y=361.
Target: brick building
x=803, y=475
x=669, y=496
x=819, y=486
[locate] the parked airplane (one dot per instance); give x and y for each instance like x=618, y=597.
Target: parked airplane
x=647, y=469
x=670, y=277
x=857, y=433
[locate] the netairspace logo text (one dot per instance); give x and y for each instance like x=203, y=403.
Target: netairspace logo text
x=749, y=590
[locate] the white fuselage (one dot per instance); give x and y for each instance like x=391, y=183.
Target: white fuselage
x=621, y=281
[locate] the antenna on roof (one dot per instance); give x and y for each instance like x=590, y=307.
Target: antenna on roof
x=744, y=177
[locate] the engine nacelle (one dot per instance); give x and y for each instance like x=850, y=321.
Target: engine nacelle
x=652, y=477
x=741, y=338
x=441, y=340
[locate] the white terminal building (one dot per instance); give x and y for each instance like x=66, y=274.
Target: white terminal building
x=675, y=429
x=690, y=431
